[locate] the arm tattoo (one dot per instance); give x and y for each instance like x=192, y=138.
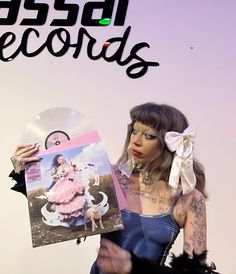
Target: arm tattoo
x=187, y=247
x=197, y=238
x=17, y=164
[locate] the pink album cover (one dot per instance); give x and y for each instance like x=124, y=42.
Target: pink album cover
x=72, y=194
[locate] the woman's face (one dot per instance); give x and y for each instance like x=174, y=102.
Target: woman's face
x=144, y=144
x=61, y=160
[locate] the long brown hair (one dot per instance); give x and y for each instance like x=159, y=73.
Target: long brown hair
x=162, y=118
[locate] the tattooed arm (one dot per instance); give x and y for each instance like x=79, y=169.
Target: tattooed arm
x=23, y=154
x=195, y=225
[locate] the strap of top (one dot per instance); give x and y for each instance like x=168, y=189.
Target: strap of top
x=175, y=202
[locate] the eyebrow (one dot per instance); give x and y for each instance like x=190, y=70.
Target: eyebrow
x=151, y=131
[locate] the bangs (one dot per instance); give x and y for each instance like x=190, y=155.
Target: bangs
x=160, y=117
x=149, y=116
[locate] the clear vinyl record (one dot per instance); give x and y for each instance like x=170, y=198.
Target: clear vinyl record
x=54, y=126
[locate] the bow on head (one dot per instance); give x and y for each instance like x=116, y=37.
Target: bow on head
x=182, y=164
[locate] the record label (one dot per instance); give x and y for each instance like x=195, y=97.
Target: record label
x=56, y=138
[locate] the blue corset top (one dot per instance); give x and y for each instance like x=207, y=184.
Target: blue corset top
x=147, y=236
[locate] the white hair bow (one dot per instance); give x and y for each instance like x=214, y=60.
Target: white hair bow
x=182, y=165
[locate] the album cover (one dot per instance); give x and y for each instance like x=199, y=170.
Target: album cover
x=71, y=194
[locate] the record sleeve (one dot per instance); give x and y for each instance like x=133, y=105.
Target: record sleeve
x=71, y=194
x=72, y=191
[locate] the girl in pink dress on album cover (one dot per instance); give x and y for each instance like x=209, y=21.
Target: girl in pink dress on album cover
x=66, y=192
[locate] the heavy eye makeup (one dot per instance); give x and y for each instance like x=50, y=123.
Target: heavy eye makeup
x=150, y=136
x=134, y=131
x=147, y=135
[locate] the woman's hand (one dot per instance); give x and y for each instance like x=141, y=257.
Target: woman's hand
x=113, y=259
x=24, y=154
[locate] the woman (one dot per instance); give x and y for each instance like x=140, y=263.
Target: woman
x=165, y=192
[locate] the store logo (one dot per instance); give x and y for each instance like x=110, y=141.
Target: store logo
x=9, y=15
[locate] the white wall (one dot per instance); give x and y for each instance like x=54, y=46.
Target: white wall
x=194, y=42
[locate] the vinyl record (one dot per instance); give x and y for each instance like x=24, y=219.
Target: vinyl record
x=54, y=126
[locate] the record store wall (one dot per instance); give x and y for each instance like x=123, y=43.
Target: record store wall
x=176, y=52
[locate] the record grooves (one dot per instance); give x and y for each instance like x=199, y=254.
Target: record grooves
x=54, y=126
